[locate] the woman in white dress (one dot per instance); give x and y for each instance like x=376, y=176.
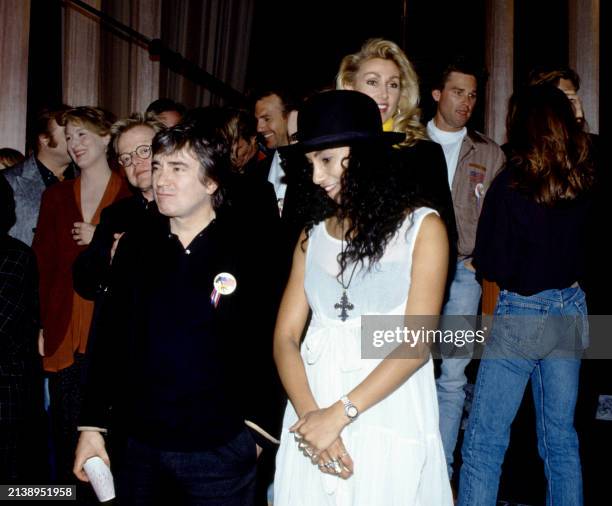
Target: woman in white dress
x=358, y=431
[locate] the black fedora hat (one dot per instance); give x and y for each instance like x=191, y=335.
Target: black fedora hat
x=339, y=118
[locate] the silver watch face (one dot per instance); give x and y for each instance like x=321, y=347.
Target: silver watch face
x=351, y=411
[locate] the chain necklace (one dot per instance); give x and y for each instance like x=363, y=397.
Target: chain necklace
x=345, y=304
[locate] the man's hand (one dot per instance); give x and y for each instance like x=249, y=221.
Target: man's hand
x=91, y=444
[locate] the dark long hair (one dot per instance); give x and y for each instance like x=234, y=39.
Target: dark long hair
x=549, y=152
x=372, y=199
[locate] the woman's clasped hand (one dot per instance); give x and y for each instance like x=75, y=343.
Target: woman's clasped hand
x=317, y=435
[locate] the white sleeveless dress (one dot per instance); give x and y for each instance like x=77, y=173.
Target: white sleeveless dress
x=395, y=445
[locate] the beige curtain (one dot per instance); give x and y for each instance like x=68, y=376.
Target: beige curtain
x=130, y=80
x=215, y=34
x=14, y=39
x=103, y=66
x=499, y=60
x=81, y=51
x=584, y=36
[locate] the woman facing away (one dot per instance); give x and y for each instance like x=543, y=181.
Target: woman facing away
x=68, y=216
x=530, y=241
x=358, y=431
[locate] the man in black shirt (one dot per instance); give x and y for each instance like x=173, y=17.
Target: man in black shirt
x=184, y=348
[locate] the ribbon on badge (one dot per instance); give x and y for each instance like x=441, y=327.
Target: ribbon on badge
x=223, y=284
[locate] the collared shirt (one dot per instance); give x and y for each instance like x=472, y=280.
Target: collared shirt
x=49, y=178
x=183, y=357
x=277, y=178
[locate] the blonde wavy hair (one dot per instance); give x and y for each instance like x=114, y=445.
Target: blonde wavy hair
x=136, y=119
x=407, y=119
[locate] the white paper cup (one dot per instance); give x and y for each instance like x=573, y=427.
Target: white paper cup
x=101, y=478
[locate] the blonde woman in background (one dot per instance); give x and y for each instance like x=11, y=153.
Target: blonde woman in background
x=381, y=70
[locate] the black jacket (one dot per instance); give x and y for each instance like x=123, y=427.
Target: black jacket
x=424, y=173
x=91, y=268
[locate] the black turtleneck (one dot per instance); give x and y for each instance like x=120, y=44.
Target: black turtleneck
x=91, y=267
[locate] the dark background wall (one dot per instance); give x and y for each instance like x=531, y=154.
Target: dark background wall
x=300, y=45
x=303, y=48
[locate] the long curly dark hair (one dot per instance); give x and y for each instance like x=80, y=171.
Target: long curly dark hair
x=549, y=152
x=374, y=199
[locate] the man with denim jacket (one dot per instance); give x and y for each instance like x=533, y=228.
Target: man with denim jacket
x=48, y=164
x=473, y=160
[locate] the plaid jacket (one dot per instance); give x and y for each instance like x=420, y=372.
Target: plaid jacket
x=19, y=319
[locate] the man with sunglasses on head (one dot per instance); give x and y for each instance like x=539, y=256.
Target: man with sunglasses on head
x=131, y=142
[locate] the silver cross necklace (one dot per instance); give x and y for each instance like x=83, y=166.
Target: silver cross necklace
x=345, y=304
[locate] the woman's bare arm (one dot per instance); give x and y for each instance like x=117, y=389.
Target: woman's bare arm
x=290, y=323
x=429, y=269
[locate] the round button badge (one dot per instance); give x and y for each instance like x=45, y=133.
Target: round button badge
x=225, y=283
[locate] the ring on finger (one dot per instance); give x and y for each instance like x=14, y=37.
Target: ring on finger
x=302, y=445
x=297, y=436
x=308, y=451
x=336, y=467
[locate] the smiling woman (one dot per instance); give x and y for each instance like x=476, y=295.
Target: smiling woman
x=370, y=426
x=68, y=216
x=328, y=166
x=381, y=70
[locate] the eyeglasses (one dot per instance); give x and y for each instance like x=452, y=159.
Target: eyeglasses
x=143, y=152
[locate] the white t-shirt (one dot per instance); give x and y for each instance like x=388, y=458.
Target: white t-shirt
x=276, y=176
x=451, y=145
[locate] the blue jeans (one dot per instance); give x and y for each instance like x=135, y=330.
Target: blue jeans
x=224, y=476
x=463, y=300
x=519, y=350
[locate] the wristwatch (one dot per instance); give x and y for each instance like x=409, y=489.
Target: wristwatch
x=350, y=409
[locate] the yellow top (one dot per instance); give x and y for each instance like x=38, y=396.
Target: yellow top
x=388, y=125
